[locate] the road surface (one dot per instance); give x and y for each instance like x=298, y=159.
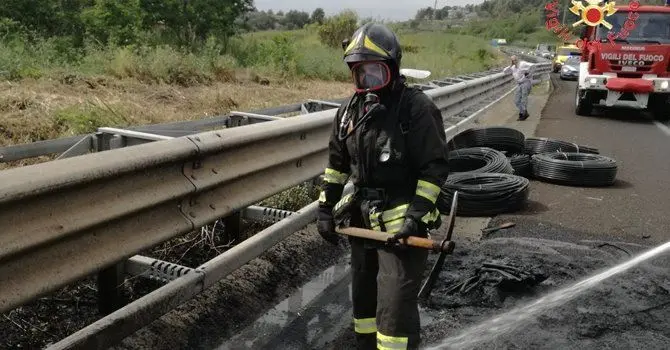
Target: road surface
x=635, y=209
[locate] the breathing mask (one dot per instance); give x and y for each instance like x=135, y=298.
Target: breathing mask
x=370, y=75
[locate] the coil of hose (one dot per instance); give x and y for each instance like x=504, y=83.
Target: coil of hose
x=575, y=169
x=479, y=160
x=484, y=194
x=537, y=145
x=497, y=137
x=521, y=164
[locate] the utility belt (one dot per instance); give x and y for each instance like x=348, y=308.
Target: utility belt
x=376, y=208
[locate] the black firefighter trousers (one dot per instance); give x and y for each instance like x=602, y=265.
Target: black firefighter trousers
x=385, y=285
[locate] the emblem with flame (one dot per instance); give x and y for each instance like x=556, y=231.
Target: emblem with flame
x=593, y=14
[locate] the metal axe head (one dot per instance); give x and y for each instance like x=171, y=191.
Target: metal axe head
x=424, y=293
x=452, y=217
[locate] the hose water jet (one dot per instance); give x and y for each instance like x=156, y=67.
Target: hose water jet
x=509, y=321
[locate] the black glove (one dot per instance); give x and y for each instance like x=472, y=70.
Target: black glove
x=325, y=224
x=409, y=228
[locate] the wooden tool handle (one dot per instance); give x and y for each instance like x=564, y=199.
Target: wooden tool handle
x=413, y=241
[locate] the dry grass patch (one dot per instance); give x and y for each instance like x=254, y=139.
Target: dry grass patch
x=45, y=109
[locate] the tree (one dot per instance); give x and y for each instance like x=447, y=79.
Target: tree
x=337, y=28
x=113, y=21
x=193, y=21
x=424, y=13
x=442, y=13
x=318, y=16
x=295, y=19
x=261, y=21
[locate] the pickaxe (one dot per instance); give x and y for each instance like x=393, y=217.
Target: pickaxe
x=445, y=247
x=427, y=287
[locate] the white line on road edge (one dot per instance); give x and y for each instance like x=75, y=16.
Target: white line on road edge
x=663, y=127
x=471, y=117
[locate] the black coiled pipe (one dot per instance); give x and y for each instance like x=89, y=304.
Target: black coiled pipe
x=479, y=160
x=521, y=164
x=484, y=194
x=537, y=145
x=496, y=137
x=575, y=169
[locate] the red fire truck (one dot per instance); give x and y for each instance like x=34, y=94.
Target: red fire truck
x=630, y=70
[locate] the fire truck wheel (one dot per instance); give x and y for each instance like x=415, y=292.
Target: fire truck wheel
x=583, y=104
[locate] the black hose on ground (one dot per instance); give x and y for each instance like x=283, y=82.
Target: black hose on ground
x=575, y=169
x=496, y=137
x=479, y=160
x=521, y=164
x=484, y=194
x=537, y=145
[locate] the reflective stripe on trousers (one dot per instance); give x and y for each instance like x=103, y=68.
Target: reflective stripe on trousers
x=385, y=342
x=365, y=325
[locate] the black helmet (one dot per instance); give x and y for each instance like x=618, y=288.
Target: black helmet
x=372, y=42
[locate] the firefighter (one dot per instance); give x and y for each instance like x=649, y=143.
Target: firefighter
x=389, y=140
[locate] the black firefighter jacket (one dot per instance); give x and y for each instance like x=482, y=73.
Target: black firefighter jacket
x=402, y=150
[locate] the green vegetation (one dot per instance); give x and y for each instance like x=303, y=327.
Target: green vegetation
x=69, y=67
x=313, y=52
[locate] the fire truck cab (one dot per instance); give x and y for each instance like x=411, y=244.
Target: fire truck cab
x=627, y=71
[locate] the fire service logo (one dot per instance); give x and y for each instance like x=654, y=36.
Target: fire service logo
x=591, y=13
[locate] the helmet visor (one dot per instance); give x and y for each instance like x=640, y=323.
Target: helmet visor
x=370, y=76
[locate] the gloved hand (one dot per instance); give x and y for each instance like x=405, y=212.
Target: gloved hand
x=409, y=228
x=325, y=224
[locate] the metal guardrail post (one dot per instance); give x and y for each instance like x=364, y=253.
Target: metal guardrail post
x=110, y=279
x=233, y=227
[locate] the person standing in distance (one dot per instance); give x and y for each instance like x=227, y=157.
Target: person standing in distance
x=389, y=139
x=521, y=72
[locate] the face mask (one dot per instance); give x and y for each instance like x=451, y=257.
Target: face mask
x=370, y=76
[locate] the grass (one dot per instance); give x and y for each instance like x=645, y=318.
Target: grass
x=287, y=55
x=48, y=90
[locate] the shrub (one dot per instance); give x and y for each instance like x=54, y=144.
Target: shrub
x=338, y=28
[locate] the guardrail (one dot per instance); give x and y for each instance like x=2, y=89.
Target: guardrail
x=65, y=219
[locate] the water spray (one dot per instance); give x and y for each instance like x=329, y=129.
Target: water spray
x=515, y=318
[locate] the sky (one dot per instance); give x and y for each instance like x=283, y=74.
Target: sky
x=377, y=9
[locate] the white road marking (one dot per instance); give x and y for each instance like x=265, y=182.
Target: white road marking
x=663, y=127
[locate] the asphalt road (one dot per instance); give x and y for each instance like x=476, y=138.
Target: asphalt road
x=635, y=209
